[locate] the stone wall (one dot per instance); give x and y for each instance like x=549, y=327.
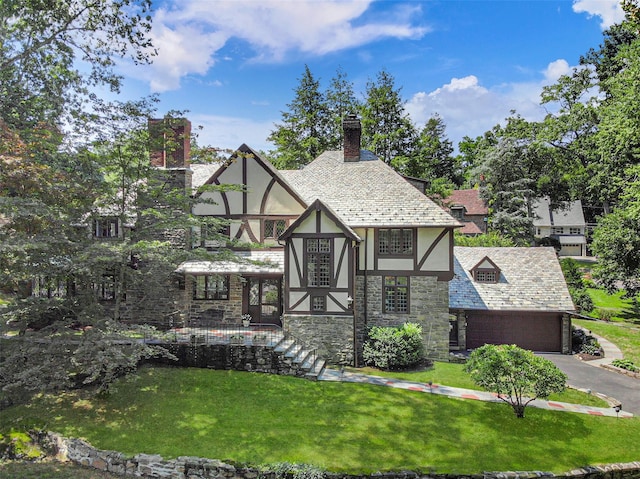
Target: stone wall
x=239, y=357
x=331, y=336
x=429, y=307
x=154, y=466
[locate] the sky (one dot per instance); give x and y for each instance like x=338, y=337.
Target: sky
x=234, y=65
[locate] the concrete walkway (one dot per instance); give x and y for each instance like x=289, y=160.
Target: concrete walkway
x=610, y=350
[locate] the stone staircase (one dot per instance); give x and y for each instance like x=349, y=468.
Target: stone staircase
x=305, y=361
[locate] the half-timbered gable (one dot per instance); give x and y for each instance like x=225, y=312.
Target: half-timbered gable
x=319, y=255
x=257, y=200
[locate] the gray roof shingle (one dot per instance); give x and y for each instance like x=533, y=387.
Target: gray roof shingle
x=366, y=193
x=530, y=280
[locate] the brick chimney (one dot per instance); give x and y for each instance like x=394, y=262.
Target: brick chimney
x=170, y=140
x=352, y=133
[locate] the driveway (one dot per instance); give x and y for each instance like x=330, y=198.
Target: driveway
x=624, y=389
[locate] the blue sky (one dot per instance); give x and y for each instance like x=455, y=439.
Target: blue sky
x=234, y=64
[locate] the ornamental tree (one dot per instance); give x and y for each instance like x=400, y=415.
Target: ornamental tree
x=518, y=376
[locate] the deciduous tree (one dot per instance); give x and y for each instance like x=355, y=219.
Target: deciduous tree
x=518, y=376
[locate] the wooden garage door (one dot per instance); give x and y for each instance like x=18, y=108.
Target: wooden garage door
x=534, y=331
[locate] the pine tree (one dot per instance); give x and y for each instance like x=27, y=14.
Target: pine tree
x=304, y=131
x=386, y=128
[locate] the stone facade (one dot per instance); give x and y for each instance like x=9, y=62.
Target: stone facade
x=155, y=466
x=429, y=307
x=331, y=336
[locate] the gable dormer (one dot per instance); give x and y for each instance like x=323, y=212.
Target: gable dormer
x=486, y=271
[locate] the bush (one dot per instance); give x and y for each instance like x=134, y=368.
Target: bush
x=583, y=343
x=625, y=364
x=394, y=348
x=605, y=314
x=582, y=300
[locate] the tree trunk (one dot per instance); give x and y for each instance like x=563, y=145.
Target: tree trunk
x=519, y=410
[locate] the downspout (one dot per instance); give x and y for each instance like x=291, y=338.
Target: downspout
x=354, y=309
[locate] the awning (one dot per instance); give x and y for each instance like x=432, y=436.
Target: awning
x=246, y=262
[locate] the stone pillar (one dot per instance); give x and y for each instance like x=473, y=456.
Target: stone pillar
x=566, y=334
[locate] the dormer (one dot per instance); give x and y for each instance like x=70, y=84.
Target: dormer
x=486, y=271
x=457, y=211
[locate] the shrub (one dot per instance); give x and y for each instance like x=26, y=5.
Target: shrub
x=394, y=347
x=19, y=445
x=583, y=343
x=625, y=364
x=581, y=299
x=604, y=314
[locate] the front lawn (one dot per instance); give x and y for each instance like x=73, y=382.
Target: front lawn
x=620, y=308
x=625, y=335
x=266, y=419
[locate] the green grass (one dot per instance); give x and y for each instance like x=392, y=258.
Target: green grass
x=453, y=375
x=620, y=308
x=623, y=334
x=342, y=427
x=49, y=470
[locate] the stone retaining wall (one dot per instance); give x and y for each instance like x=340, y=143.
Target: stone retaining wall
x=154, y=466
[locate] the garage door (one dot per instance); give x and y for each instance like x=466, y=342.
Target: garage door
x=534, y=331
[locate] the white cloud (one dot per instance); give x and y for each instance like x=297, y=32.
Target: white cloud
x=609, y=11
x=189, y=33
x=470, y=109
x=231, y=132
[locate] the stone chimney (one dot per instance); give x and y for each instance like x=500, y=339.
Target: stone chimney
x=170, y=142
x=352, y=133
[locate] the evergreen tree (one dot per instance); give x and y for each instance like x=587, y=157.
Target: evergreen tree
x=386, y=128
x=304, y=131
x=432, y=157
x=341, y=101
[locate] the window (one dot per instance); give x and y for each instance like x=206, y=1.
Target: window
x=486, y=276
x=106, y=289
x=106, y=228
x=557, y=230
x=318, y=303
x=43, y=287
x=575, y=231
x=396, y=294
x=398, y=242
x=211, y=287
x=318, y=256
x=211, y=235
x=274, y=228
x=457, y=212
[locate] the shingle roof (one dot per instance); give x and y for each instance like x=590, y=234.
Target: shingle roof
x=531, y=280
x=253, y=262
x=202, y=173
x=568, y=214
x=470, y=199
x=366, y=193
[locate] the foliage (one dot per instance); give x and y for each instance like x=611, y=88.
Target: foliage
x=576, y=284
x=50, y=470
x=518, y=376
x=394, y=348
x=582, y=342
x=623, y=334
x=303, y=134
x=386, y=128
x=54, y=53
x=19, y=445
x=432, y=156
x=341, y=101
x=492, y=238
x=59, y=358
x=286, y=470
x=248, y=417
x=625, y=364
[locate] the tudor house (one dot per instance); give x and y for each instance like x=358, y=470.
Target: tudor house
x=343, y=244
x=326, y=252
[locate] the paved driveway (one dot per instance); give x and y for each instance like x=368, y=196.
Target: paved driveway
x=582, y=375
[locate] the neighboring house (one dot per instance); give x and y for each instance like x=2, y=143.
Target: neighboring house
x=468, y=208
x=564, y=223
x=510, y=296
